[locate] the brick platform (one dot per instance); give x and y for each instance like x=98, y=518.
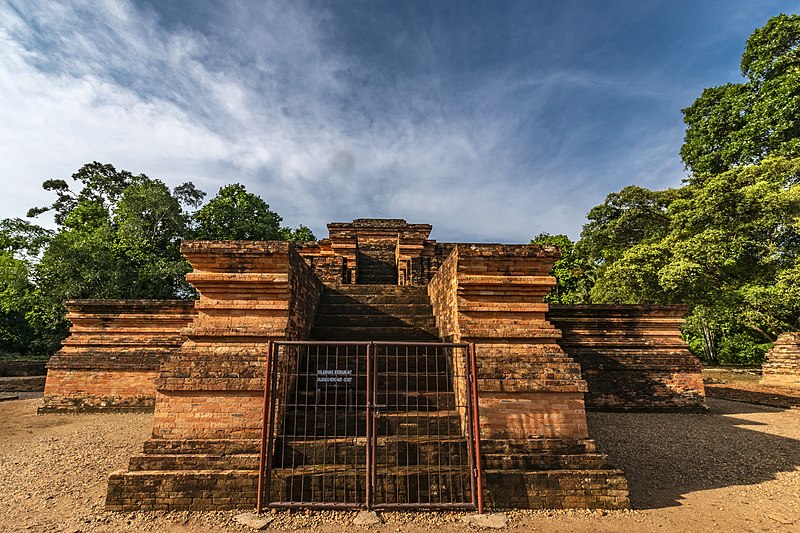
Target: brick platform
x=112, y=356
x=536, y=447
x=207, y=393
x=632, y=356
x=782, y=366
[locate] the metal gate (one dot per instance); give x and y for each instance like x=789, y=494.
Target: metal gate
x=370, y=425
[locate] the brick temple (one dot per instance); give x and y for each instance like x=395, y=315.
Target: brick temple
x=200, y=366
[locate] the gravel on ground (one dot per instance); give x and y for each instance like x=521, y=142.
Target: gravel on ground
x=736, y=468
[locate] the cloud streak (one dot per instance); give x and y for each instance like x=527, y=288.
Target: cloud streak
x=331, y=112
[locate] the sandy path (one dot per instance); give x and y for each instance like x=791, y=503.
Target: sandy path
x=734, y=469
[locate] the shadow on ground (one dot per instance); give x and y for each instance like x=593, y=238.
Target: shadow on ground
x=769, y=397
x=666, y=456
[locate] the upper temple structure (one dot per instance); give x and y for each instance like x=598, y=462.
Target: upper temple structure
x=375, y=368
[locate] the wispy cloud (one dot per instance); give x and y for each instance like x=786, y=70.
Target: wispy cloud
x=325, y=120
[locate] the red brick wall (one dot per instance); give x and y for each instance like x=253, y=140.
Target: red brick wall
x=532, y=414
x=493, y=295
x=99, y=390
x=632, y=356
x=443, y=293
x=250, y=293
x=113, y=353
x=208, y=415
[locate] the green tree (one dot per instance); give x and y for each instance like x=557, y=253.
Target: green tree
x=742, y=123
x=235, y=214
x=118, y=236
x=729, y=250
x=727, y=242
x=631, y=216
x=150, y=223
x=20, y=333
x=573, y=274
x=301, y=234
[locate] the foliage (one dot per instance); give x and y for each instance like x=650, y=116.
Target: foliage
x=741, y=348
x=743, y=123
x=236, y=214
x=728, y=247
x=301, y=234
x=570, y=271
x=726, y=243
x=20, y=333
x=118, y=236
x=631, y=216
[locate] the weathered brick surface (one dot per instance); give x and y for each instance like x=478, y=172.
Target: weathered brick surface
x=782, y=366
x=632, y=356
x=212, y=388
x=19, y=368
x=558, y=489
x=530, y=391
x=113, y=353
x=181, y=489
x=208, y=414
x=99, y=390
x=22, y=384
x=536, y=447
x=382, y=250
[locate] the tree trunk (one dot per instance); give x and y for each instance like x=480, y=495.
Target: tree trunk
x=709, y=345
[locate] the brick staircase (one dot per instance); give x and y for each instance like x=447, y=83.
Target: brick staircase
x=377, y=264
x=375, y=313
x=421, y=452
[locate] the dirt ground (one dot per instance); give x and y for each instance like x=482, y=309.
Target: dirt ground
x=736, y=468
x=744, y=385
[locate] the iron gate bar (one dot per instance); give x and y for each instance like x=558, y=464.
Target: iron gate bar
x=370, y=427
x=307, y=367
x=264, y=425
x=476, y=421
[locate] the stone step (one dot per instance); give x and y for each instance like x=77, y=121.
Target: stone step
x=488, y=369
x=348, y=368
x=395, y=382
x=354, y=333
x=376, y=321
x=350, y=398
x=402, y=484
x=183, y=461
x=167, y=490
x=358, y=308
x=321, y=422
x=389, y=451
x=376, y=289
x=373, y=299
x=202, y=446
x=325, y=354
x=544, y=461
x=549, y=489
x=538, y=445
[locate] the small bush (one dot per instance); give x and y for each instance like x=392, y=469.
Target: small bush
x=741, y=349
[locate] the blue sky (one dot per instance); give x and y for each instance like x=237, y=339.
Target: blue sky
x=493, y=121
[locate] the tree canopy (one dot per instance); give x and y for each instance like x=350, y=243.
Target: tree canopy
x=573, y=274
x=727, y=242
x=742, y=123
x=118, y=236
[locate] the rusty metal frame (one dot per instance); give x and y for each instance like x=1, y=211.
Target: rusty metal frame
x=371, y=409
